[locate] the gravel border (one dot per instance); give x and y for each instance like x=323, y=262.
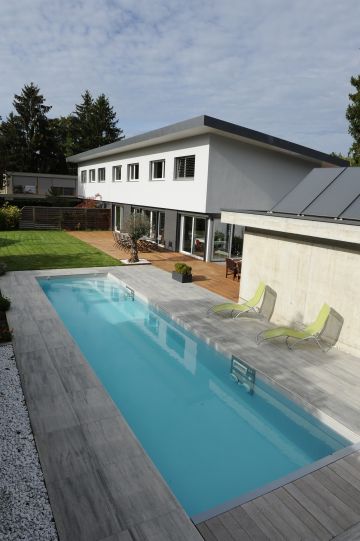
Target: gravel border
x=25, y=512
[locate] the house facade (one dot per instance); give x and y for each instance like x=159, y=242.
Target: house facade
x=182, y=175
x=307, y=248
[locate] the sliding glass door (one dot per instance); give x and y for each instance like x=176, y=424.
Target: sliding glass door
x=193, y=235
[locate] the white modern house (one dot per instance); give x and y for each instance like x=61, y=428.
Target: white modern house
x=307, y=248
x=182, y=175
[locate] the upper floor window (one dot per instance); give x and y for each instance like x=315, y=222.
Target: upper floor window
x=92, y=175
x=116, y=173
x=101, y=174
x=133, y=171
x=157, y=170
x=83, y=177
x=185, y=167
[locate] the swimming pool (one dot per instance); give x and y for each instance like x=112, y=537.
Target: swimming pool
x=211, y=440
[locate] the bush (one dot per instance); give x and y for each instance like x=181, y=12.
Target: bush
x=182, y=268
x=9, y=217
x=4, y=303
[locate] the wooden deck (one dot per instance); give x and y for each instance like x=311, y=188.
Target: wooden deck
x=211, y=276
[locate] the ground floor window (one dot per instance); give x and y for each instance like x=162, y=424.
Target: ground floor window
x=227, y=241
x=119, y=217
x=193, y=235
x=157, y=224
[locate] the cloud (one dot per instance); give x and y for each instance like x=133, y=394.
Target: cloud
x=280, y=67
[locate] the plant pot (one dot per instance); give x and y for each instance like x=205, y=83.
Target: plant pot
x=183, y=278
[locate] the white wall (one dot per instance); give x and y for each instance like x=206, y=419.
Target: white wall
x=187, y=195
x=305, y=274
x=246, y=176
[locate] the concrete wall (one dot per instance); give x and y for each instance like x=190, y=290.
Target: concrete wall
x=305, y=274
x=244, y=176
x=185, y=194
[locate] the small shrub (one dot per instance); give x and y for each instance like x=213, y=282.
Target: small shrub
x=182, y=268
x=9, y=217
x=4, y=303
x=3, y=268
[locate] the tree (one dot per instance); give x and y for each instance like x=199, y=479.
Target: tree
x=353, y=116
x=28, y=137
x=94, y=123
x=136, y=226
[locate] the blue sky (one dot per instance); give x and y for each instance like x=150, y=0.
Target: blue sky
x=278, y=66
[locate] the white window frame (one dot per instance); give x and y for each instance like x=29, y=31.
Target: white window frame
x=176, y=168
x=83, y=176
x=100, y=170
x=116, y=168
x=92, y=175
x=131, y=172
x=152, y=169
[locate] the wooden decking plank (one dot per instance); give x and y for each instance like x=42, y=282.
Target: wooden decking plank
x=318, y=531
x=205, y=531
x=352, y=534
x=354, y=461
x=286, y=519
x=343, y=490
x=328, y=509
x=219, y=529
x=347, y=472
x=247, y=523
x=271, y=508
x=262, y=520
x=238, y=533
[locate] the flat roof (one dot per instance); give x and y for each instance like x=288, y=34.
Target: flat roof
x=205, y=124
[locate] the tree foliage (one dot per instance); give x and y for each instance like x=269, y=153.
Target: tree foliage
x=353, y=116
x=32, y=142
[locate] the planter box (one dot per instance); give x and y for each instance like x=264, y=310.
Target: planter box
x=183, y=278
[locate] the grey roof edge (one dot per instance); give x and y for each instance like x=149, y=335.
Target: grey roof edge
x=294, y=216
x=217, y=124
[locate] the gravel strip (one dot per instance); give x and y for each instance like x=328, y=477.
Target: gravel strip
x=25, y=512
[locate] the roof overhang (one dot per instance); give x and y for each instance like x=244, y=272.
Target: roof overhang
x=202, y=125
x=330, y=230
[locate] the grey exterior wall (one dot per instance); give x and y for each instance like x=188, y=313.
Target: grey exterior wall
x=244, y=176
x=305, y=273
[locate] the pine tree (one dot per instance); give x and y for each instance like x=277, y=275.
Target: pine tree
x=29, y=140
x=94, y=123
x=353, y=116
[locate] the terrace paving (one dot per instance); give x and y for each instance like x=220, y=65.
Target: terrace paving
x=102, y=485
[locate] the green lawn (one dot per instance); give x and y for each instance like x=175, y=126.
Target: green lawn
x=30, y=250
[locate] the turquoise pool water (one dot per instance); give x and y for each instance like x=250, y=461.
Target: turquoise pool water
x=211, y=440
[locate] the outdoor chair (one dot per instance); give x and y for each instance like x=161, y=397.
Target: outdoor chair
x=235, y=309
x=233, y=267
x=121, y=240
x=325, y=331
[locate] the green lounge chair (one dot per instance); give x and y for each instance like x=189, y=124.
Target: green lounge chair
x=325, y=330
x=239, y=309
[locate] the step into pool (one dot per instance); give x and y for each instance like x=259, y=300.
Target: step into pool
x=211, y=439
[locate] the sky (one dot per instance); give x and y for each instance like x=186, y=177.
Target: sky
x=278, y=66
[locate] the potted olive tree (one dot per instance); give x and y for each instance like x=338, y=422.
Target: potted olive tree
x=182, y=273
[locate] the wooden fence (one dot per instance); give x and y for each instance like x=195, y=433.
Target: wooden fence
x=65, y=218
